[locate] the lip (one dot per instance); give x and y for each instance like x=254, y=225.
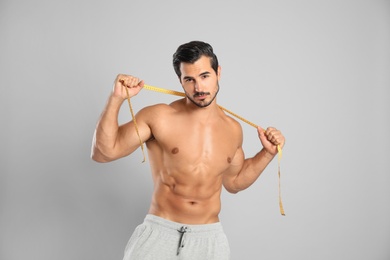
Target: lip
x=201, y=95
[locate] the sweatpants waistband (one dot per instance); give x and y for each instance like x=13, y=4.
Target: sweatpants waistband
x=173, y=227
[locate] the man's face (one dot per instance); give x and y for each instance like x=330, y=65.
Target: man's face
x=199, y=81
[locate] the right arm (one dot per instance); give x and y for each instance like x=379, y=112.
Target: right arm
x=111, y=141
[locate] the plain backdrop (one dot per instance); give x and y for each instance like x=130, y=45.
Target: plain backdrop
x=317, y=70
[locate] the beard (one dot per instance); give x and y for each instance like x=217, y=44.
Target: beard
x=202, y=103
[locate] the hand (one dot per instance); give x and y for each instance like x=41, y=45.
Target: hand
x=133, y=85
x=270, y=139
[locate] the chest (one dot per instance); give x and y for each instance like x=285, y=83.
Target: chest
x=197, y=143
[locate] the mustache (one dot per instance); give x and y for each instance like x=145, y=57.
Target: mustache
x=197, y=94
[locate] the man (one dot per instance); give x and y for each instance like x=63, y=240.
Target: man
x=194, y=149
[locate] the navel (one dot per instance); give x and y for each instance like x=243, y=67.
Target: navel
x=175, y=150
x=229, y=160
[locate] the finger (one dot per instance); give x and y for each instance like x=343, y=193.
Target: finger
x=141, y=84
x=270, y=129
x=278, y=139
x=128, y=81
x=260, y=130
x=121, y=78
x=262, y=135
x=274, y=136
x=268, y=132
x=275, y=140
x=137, y=83
x=264, y=139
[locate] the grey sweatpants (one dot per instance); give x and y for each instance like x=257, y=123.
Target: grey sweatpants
x=161, y=239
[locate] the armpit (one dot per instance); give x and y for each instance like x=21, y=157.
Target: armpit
x=150, y=139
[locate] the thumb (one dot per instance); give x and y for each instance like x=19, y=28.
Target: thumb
x=260, y=130
x=141, y=84
x=261, y=133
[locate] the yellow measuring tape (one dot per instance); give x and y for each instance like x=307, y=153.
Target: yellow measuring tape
x=181, y=94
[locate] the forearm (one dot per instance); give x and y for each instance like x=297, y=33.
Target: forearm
x=106, y=131
x=252, y=169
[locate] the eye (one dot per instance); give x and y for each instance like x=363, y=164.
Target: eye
x=205, y=76
x=188, y=80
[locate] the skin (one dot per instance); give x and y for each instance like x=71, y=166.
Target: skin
x=194, y=148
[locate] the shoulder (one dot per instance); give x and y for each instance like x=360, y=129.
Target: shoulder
x=163, y=107
x=232, y=123
x=157, y=112
x=155, y=109
x=232, y=129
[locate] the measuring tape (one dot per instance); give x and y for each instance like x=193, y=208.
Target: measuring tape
x=181, y=94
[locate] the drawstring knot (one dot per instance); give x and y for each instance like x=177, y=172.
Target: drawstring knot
x=182, y=231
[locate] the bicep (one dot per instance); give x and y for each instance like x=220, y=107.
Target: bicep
x=233, y=171
x=132, y=134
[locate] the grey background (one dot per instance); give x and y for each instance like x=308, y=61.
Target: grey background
x=318, y=70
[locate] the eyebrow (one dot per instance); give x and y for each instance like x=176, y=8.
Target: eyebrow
x=204, y=73
x=201, y=74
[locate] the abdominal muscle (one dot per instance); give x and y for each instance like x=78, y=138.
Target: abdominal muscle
x=183, y=204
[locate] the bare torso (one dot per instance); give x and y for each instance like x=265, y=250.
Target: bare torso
x=189, y=152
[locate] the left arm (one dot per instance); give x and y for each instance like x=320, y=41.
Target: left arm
x=244, y=172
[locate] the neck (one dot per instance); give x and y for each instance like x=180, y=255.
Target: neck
x=191, y=105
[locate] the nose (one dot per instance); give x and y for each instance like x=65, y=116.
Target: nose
x=198, y=87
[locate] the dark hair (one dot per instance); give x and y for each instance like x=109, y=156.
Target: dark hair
x=191, y=52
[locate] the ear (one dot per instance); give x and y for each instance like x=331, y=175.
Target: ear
x=219, y=72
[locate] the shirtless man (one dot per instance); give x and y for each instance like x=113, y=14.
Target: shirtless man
x=194, y=149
